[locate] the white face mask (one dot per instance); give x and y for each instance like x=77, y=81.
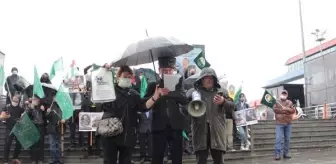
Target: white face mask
x=124, y=82
x=14, y=72
x=283, y=97
x=34, y=103
x=15, y=103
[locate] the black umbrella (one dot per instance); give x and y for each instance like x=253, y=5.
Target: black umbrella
x=150, y=49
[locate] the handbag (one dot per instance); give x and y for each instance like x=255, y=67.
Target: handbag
x=111, y=127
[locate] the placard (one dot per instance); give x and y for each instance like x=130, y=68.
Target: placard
x=88, y=121
x=246, y=117
x=102, y=86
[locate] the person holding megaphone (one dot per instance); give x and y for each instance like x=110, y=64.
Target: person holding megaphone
x=207, y=110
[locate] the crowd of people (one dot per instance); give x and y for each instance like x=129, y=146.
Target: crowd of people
x=158, y=120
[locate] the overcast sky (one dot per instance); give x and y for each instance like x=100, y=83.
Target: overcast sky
x=248, y=40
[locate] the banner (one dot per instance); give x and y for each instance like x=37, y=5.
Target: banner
x=77, y=99
x=192, y=61
x=246, y=117
x=102, y=86
x=88, y=121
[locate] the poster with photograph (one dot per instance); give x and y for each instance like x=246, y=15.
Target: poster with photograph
x=246, y=117
x=77, y=99
x=88, y=121
x=102, y=86
x=75, y=83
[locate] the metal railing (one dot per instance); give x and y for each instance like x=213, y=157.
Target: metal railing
x=324, y=111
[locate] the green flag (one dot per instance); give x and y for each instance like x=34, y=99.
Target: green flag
x=268, y=99
x=2, y=76
x=95, y=67
x=65, y=103
x=56, y=67
x=37, y=88
x=26, y=132
x=201, y=62
x=184, y=134
x=143, y=87
x=236, y=97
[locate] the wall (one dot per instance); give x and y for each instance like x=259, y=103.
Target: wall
x=321, y=75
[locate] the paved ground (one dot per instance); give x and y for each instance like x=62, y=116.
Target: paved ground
x=316, y=157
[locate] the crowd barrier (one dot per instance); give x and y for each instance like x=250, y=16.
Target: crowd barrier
x=324, y=111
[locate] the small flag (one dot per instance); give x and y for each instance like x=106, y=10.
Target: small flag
x=56, y=67
x=65, y=103
x=184, y=134
x=37, y=88
x=268, y=100
x=236, y=96
x=201, y=62
x=26, y=132
x=72, y=69
x=143, y=87
x=2, y=76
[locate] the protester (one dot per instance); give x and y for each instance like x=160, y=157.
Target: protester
x=9, y=84
x=53, y=118
x=167, y=120
x=241, y=105
x=229, y=115
x=284, y=111
x=125, y=107
x=208, y=130
x=145, y=137
x=37, y=115
x=12, y=113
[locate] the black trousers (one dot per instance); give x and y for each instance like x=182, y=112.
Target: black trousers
x=160, y=140
x=145, y=140
x=111, y=151
x=8, y=143
x=37, y=150
x=73, y=130
x=202, y=155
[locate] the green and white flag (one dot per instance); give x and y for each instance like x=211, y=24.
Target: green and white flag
x=268, y=100
x=201, y=62
x=2, y=76
x=143, y=87
x=56, y=68
x=236, y=96
x=37, y=88
x=64, y=101
x=26, y=132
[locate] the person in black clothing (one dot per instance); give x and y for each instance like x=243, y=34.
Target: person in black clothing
x=167, y=119
x=53, y=117
x=36, y=112
x=12, y=113
x=145, y=137
x=9, y=84
x=125, y=107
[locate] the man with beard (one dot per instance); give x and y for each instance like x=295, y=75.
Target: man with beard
x=9, y=84
x=167, y=120
x=208, y=130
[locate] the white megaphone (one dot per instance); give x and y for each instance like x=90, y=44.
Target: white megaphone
x=196, y=108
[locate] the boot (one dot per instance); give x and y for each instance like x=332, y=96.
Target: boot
x=247, y=146
x=242, y=147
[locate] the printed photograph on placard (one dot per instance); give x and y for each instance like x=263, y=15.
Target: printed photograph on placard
x=240, y=118
x=88, y=121
x=251, y=116
x=77, y=99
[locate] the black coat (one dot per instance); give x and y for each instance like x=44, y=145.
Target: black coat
x=126, y=106
x=145, y=123
x=166, y=110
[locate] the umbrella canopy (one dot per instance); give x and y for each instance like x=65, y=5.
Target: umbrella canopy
x=142, y=51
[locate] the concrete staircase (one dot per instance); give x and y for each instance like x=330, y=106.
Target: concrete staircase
x=307, y=135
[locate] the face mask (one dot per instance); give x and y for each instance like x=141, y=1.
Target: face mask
x=34, y=103
x=283, y=97
x=124, y=82
x=14, y=72
x=242, y=99
x=15, y=103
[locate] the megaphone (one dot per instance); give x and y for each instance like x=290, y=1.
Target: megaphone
x=196, y=108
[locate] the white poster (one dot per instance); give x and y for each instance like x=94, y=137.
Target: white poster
x=246, y=117
x=88, y=121
x=102, y=86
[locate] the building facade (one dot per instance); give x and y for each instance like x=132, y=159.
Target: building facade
x=320, y=73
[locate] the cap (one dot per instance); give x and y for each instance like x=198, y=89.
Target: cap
x=14, y=69
x=167, y=62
